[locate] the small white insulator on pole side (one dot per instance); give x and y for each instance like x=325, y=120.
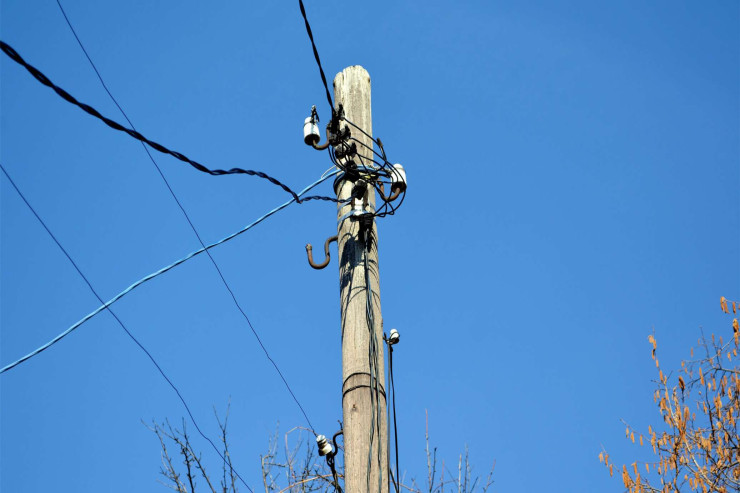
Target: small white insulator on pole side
x=311, y=134
x=398, y=177
x=394, y=337
x=325, y=447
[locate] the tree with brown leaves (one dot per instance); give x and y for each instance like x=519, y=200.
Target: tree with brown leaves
x=697, y=447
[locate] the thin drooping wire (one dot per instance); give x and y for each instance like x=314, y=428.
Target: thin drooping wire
x=149, y=355
x=316, y=56
x=8, y=50
x=156, y=274
x=187, y=217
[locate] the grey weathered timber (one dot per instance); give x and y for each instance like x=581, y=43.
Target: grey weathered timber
x=352, y=90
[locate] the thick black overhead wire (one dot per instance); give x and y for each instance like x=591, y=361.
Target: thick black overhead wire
x=187, y=217
x=316, y=56
x=385, y=168
x=151, y=358
x=8, y=50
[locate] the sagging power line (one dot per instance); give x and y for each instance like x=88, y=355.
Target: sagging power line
x=123, y=326
x=155, y=274
x=43, y=79
x=316, y=55
x=189, y=221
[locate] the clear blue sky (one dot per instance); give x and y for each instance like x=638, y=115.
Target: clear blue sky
x=574, y=170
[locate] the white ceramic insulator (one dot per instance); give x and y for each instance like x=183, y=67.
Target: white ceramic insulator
x=398, y=175
x=311, y=134
x=394, y=336
x=324, y=445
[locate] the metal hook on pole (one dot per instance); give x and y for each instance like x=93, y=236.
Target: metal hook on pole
x=309, y=252
x=395, y=189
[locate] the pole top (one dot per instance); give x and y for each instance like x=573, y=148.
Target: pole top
x=353, y=71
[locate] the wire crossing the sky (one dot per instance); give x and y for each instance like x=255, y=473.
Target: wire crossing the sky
x=38, y=75
x=190, y=222
x=316, y=56
x=158, y=273
x=151, y=358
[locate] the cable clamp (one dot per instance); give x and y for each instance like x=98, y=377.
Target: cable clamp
x=356, y=215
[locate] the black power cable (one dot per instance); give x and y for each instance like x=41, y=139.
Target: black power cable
x=38, y=75
x=393, y=400
x=133, y=338
x=316, y=56
x=187, y=217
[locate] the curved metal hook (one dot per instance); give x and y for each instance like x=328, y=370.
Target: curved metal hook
x=321, y=147
x=309, y=252
x=395, y=189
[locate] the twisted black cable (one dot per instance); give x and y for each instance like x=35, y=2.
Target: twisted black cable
x=141, y=346
x=8, y=50
x=187, y=217
x=316, y=56
x=335, y=476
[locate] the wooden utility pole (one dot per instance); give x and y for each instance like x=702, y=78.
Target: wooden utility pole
x=363, y=369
